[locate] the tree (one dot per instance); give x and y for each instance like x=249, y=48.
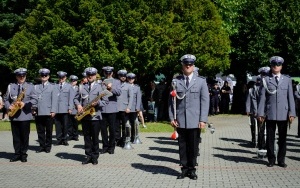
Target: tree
x=12, y=15
x=142, y=36
x=261, y=29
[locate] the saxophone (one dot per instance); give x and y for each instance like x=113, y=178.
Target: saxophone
x=16, y=104
x=89, y=109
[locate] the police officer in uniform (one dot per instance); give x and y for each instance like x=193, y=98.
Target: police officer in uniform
x=65, y=105
x=251, y=109
x=136, y=104
x=192, y=106
x=91, y=123
x=297, y=100
x=45, y=110
x=263, y=71
x=125, y=101
x=110, y=111
x=73, y=123
x=276, y=107
x=20, y=121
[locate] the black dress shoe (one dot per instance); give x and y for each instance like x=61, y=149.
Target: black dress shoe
x=87, y=161
x=270, y=164
x=65, y=143
x=40, y=150
x=103, y=151
x=283, y=165
x=182, y=175
x=14, y=159
x=193, y=176
x=94, y=161
x=111, y=152
x=59, y=143
x=23, y=160
x=76, y=139
x=48, y=151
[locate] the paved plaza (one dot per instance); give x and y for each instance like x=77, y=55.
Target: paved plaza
x=227, y=160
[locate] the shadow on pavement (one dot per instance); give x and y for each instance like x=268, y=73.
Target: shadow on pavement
x=242, y=143
x=155, y=169
x=160, y=138
x=5, y=155
x=294, y=158
x=235, y=140
x=79, y=146
x=33, y=148
x=170, y=142
x=159, y=158
x=71, y=156
x=166, y=150
x=239, y=159
x=293, y=150
x=234, y=150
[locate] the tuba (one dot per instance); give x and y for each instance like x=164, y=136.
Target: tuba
x=89, y=109
x=16, y=104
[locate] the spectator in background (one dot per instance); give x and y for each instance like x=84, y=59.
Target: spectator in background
x=297, y=102
x=153, y=99
x=225, y=98
x=214, y=99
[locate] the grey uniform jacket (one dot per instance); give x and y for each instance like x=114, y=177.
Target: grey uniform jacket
x=30, y=99
x=65, y=98
x=85, y=97
x=280, y=105
x=193, y=108
x=252, y=100
x=112, y=106
x=47, y=99
x=76, y=90
x=137, y=97
x=125, y=100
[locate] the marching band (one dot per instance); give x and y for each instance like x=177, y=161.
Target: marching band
x=110, y=106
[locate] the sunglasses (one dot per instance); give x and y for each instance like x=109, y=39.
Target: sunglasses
x=21, y=75
x=44, y=75
x=188, y=64
x=276, y=64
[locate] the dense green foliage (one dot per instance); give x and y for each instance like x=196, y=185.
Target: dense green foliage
x=142, y=36
x=12, y=16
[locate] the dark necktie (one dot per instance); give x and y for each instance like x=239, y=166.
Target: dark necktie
x=276, y=78
x=90, y=86
x=60, y=87
x=19, y=89
x=187, y=81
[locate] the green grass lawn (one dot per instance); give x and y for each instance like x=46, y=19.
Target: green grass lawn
x=151, y=127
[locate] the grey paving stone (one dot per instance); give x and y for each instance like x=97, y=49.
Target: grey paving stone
x=227, y=160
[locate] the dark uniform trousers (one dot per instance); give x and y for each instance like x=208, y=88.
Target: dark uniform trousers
x=132, y=117
x=282, y=132
x=61, y=126
x=91, y=131
x=252, y=127
x=44, y=127
x=108, y=121
x=122, y=119
x=188, y=140
x=261, y=136
x=20, y=132
x=73, y=128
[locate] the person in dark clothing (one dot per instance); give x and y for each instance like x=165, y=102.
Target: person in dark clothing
x=214, y=99
x=225, y=98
